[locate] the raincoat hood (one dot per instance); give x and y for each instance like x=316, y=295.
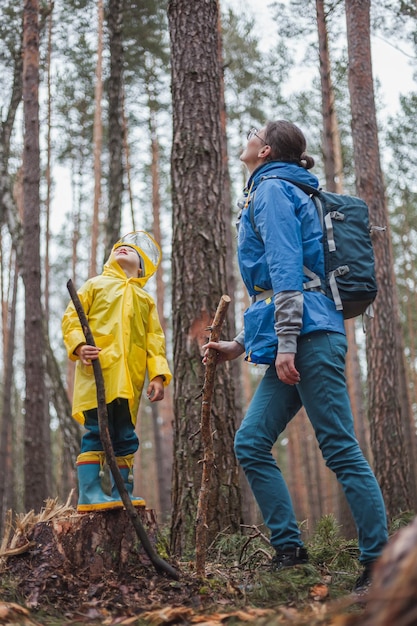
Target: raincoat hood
x=148, y=251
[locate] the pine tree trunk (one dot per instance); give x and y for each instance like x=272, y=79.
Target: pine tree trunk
x=48, y=179
x=6, y=448
x=199, y=258
x=386, y=379
x=332, y=158
x=37, y=437
x=126, y=152
x=164, y=410
x=97, y=140
x=333, y=166
x=115, y=86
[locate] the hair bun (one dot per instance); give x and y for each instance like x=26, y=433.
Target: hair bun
x=306, y=161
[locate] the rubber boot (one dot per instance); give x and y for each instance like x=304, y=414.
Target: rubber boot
x=91, y=496
x=125, y=465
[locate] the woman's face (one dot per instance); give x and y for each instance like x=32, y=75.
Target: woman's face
x=254, y=152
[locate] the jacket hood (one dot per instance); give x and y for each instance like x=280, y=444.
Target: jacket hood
x=149, y=254
x=281, y=168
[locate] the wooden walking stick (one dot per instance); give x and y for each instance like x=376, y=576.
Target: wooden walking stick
x=159, y=564
x=207, y=439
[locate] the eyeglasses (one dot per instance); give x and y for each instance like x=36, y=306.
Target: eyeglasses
x=254, y=133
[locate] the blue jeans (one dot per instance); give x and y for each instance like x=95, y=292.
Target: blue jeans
x=322, y=390
x=121, y=429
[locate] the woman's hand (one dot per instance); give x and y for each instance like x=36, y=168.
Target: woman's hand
x=226, y=350
x=286, y=371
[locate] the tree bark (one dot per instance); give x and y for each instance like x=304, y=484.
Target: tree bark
x=115, y=129
x=48, y=167
x=37, y=434
x=97, y=140
x=6, y=449
x=199, y=272
x=388, y=414
x=333, y=168
x=332, y=158
x=163, y=411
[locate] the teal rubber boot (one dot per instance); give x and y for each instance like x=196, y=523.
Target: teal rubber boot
x=125, y=465
x=91, y=496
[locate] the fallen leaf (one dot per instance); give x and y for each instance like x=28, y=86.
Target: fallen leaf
x=168, y=615
x=319, y=592
x=14, y=613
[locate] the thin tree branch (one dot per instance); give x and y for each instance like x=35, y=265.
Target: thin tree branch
x=207, y=438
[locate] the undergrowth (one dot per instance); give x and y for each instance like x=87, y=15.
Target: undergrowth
x=333, y=560
x=238, y=575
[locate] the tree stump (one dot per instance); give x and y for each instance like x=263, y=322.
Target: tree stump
x=80, y=558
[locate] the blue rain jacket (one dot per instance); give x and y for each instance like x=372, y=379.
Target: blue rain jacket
x=289, y=226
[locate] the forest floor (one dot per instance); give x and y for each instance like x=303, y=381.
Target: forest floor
x=238, y=587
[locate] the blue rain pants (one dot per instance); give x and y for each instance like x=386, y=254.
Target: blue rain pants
x=121, y=429
x=322, y=391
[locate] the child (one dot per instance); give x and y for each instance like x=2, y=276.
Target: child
x=129, y=341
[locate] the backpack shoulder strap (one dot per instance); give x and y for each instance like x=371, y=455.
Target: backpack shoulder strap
x=311, y=191
x=308, y=189
x=315, y=283
x=252, y=215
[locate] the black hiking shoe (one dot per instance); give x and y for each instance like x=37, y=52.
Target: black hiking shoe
x=289, y=558
x=364, y=581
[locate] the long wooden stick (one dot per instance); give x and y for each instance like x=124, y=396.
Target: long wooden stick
x=207, y=439
x=159, y=564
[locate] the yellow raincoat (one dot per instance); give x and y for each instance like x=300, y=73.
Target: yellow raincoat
x=125, y=325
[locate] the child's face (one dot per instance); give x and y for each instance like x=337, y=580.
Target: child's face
x=128, y=260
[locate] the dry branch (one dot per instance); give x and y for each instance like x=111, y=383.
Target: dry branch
x=207, y=438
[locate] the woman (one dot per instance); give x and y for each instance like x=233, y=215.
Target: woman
x=300, y=334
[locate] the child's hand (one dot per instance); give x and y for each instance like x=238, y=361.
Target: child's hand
x=155, y=390
x=87, y=353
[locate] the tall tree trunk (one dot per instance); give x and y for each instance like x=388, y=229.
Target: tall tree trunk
x=48, y=167
x=115, y=82
x=333, y=167
x=199, y=258
x=6, y=451
x=37, y=438
x=230, y=239
x=239, y=372
x=164, y=410
x=332, y=154
x=126, y=152
x=97, y=140
x=8, y=211
x=389, y=414
x=411, y=301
